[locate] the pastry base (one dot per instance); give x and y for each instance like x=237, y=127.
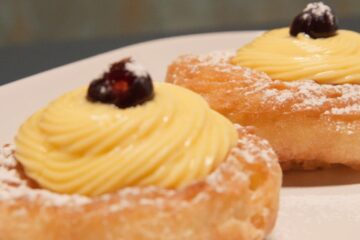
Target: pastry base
x=309, y=125
x=239, y=200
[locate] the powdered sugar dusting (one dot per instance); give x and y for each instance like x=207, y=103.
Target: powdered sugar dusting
x=215, y=57
x=348, y=110
x=252, y=149
x=7, y=163
x=327, y=100
x=6, y=155
x=218, y=59
x=136, y=68
x=318, y=9
x=13, y=187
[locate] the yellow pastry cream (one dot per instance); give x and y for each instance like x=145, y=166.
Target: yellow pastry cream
x=77, y=146
x=332, y=60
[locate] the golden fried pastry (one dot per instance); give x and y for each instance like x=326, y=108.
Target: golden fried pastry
x=109, y=162
x=308, y=124
x=285, y=83
x=238, y=200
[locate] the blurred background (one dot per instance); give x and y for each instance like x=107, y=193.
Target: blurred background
x=36, y=35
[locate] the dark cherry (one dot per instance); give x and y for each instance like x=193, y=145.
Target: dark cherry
x=316, y=20
x=125, y=85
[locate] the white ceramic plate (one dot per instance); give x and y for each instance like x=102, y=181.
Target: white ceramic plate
x=314, y=205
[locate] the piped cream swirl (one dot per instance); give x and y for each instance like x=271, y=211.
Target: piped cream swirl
x=333, y=60
x=75, y=146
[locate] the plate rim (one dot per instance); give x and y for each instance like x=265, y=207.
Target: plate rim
x=134, y=45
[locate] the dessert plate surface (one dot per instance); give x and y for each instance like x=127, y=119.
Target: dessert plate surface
x=314, y=205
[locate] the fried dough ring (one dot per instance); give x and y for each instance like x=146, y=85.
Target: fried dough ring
x=309, y=125
x=239, y=200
